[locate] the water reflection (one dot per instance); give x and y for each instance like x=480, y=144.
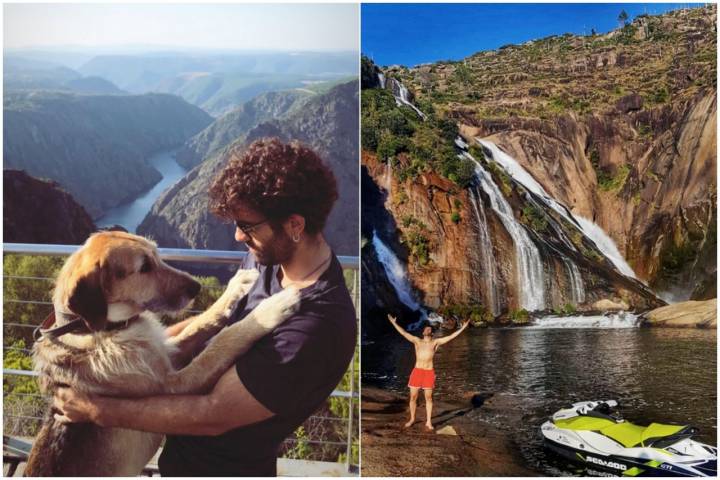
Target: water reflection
x=658, y=375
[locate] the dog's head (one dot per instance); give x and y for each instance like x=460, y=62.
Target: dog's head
x=116, y=275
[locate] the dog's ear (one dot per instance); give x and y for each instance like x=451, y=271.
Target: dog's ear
x=87, y=299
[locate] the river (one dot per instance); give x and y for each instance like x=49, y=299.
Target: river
x=661, y=375
x=131, y=214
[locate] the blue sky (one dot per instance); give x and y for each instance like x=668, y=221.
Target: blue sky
x=222, y=26
x=409, y=34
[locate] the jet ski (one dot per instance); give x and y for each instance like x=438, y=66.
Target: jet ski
x=592, y=433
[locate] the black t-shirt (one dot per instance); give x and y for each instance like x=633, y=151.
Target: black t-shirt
x=291, y=371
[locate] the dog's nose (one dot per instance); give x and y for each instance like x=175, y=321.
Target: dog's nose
x=193, y=288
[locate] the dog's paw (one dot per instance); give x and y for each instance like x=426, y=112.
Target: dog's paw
x=237, y=287
x=274, y=310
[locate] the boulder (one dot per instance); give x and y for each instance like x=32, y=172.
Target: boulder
x=609, y=305
x=690, y=314
x=629, y=103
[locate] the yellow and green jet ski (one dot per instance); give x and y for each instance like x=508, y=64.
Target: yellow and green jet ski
x=593, y=434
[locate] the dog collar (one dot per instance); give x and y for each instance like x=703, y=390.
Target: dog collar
x=76, y=325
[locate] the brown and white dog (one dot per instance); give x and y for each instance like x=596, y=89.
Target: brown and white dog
x=117, y=284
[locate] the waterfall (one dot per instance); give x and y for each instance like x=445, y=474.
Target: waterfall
x=606, y=245
x=401, y=94
x=381, y=79
x=387, y=179
x=531, y=278
x=486, y=252
x=396, y=273
x=592, y=231
x=612, y=320
x=577, y=289
x=460, y=143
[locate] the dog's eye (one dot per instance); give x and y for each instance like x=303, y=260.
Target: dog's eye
x=146, y=266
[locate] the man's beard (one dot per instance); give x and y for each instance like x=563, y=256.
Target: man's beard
x=277, y=250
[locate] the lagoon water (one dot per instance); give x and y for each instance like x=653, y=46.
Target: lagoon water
x=662, y=375
x=131, y=214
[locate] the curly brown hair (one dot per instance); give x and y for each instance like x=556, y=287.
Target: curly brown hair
x=277, y=179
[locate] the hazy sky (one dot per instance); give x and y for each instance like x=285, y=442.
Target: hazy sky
x=227, y=26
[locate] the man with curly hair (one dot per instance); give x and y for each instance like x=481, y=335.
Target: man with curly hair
x=279, y=196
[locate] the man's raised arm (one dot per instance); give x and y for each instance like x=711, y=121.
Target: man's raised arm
x=408, y=337
x=444, y=340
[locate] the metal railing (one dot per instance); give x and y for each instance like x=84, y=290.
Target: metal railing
x=196, y=257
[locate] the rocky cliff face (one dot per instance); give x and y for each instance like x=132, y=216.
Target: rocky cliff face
x=327, y=122
x=235, y=125
x=620, y=128
x=37, y=211
x=647, y=177
x=441, y=228
x=95, y=146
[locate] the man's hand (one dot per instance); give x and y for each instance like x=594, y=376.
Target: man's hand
x=74, y=407
x=392, y=319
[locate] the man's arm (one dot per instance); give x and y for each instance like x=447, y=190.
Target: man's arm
x=229, y=405
x=408, y=337
x=444, y=340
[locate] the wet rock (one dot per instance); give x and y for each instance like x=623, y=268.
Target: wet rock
x=606, y=305
x=684, y=315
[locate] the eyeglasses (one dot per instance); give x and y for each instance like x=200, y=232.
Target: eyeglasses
x=249, y=229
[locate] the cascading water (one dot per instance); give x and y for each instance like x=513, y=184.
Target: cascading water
x=396, y=273
x=606, y=245
x=577, y=288
x=610, y=320
x=531, y=277
x=381, y=79
x=401, y=94
x=487, y=256
x=387, y=179
x=592, y=231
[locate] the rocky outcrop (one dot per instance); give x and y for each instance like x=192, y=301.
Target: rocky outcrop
x=443, y=218
x=95, y=146
x=463, y=444
x=619, y=127
x=327, y=122
x=684, y=315
x=652, y=190
x=234, y=126
x=38, y=211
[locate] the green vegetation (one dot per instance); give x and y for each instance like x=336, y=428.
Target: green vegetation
x=389, y=131
x=533, y=217
x=658, y=96
x=477, y=313
x=498, y=173
x=416, y=238
x=674, y=258
x=608, y=182
x=477, y=152
x=567, y=309
x=455, y=217
x=519, y=317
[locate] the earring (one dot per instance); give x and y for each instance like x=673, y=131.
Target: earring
x=295, y=238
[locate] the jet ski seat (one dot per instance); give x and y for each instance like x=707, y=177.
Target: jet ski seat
x=625, y=433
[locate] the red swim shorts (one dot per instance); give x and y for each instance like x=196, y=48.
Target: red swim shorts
x=421, y=378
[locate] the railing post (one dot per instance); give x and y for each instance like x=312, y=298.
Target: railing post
x=348, y=460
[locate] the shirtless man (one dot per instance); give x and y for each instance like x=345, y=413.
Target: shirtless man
x=423, y=375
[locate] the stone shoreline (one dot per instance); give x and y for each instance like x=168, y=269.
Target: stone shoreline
x=459, y=446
